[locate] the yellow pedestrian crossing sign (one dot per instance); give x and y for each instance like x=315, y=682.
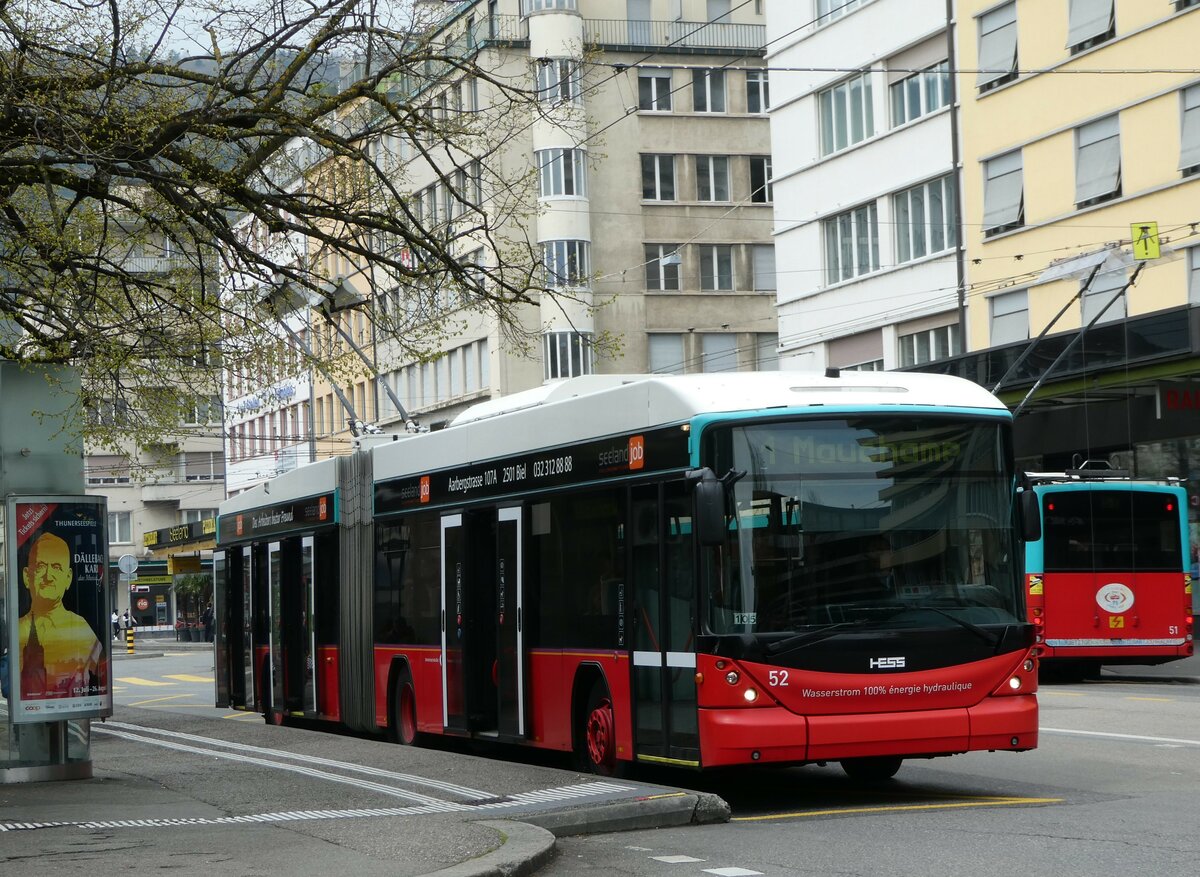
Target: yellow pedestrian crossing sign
x=1145, y=240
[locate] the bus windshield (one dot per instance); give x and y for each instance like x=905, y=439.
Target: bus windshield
x=880, y=521
x=1111, y=530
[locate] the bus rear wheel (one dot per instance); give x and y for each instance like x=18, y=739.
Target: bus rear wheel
x=872, y=769
x=598, y=735
x=402, y=727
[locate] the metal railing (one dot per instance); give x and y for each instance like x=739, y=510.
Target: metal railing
x=675, y=34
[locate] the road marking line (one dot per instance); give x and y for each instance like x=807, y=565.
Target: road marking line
x=242, y=716
x=1154, y=699
x=675, y=860
x=149, y=683
x=1042, y=692
x=1111, y=736
x=895, y=808
x=212, y=744
x=732, y=872
x=159, y=699
x=184, y=677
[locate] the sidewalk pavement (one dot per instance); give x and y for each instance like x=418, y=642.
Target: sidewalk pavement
x=198, y=792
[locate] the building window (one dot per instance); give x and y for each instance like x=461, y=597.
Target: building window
x=666, y=354
x=193, y=516
x=1181, y=5
x=829, y=10
x=202, y=409
x=712, y=178
x=921, y=93
x=1003, y=193
x=204, y=465
x=119, y=530
x=708, y=91
x=847, y=115
x=1097, y=161
x=997, y=47
x=871, y=365
x=658, y=177
x=760, y=180
x=567, y=354
x=1091, y=22
x=107, y=469
x=558, y=80
x=1194, y=272
x=851, y=243
x=717, y=9
x=562, y=172
x=718, y=352
x=654, y=90
x=928, y=345
x=566, y=263
x=1010, y=317
x=758, y=91
x=924, y=217
x=662, y=266
x=1104, y=300
x=716, y=266
x=528, y=6
x=1189, y=147
x=763, y=256
x=767, y=352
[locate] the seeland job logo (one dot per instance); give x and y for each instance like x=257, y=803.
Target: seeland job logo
x=1115, y=598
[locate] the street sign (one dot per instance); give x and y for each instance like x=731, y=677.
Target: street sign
x=1145, y=240
x=127, y=564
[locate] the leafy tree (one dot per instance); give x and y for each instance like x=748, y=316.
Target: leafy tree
x=165, y=163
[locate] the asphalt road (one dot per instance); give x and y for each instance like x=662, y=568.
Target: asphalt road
x=1110, y=791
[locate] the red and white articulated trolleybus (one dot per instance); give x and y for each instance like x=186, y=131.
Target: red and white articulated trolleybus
x=1108, y=581
x=701, y=570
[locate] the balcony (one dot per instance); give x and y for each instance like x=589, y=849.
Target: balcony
x=699, y=37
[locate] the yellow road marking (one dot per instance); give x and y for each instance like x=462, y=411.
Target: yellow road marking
x=134, y=680
x=1044, y=693
x=159, y=699
x=897, y=808
x=1155, y=699
x=184, y=677
x=243, y=716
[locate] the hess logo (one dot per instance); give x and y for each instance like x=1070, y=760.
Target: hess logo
x=886, y=663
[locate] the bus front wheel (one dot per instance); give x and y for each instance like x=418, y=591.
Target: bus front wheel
x=873, y=769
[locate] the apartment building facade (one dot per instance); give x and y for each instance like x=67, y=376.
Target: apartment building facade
x=648, y=168
x=866, y=184
x=1081, y=139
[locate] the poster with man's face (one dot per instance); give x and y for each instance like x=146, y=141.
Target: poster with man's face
x=59, y=651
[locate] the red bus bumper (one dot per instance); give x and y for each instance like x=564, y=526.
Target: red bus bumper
x=732, y=736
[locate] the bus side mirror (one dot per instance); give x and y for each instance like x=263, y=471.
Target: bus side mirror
x=1031, y=516
x=709, y=498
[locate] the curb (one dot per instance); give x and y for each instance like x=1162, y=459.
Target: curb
x=665, y=811
x=523, y=849
x=528, y=845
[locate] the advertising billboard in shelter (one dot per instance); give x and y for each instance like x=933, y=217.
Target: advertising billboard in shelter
x=60, y=657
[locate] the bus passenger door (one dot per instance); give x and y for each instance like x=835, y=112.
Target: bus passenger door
x=274, y=694
x=664, y=647
x=291, y=571
x=308, y=629
x=222, y=637
x=510, y=635
x=241, y=628
x=454, y=713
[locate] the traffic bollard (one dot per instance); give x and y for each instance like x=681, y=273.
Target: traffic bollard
x=129, y=640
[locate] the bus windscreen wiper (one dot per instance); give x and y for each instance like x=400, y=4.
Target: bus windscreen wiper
x=992, y=639
x=800, y=640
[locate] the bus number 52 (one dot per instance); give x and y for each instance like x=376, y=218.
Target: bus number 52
x=778, y=678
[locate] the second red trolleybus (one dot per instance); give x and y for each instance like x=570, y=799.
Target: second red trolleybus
x=1108, y=581
x=699, y=570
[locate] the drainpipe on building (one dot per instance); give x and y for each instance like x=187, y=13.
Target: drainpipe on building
x=956, y=162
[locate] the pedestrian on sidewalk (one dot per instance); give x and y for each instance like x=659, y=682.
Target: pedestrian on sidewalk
x=207, y=619
x=116, y=624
